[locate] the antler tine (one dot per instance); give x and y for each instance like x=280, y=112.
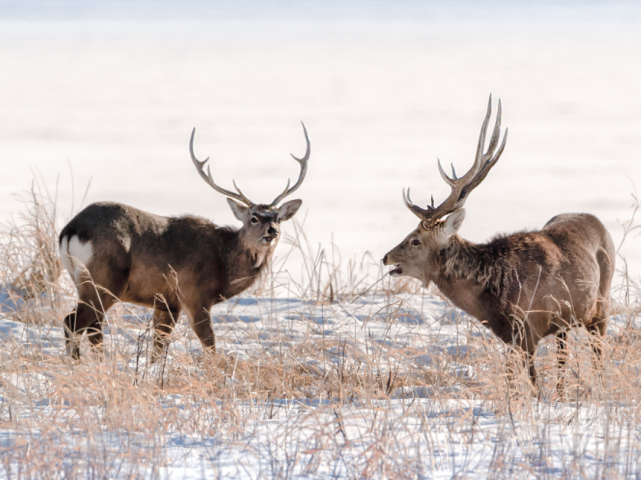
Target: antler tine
x=462, y=186
x=478, y=160
x=415, y=209
x=303, y=170
x=480, y=157
x=200, y=166
x=494, y=141
x=487, y=166
x=444, y=176
x=246, y=200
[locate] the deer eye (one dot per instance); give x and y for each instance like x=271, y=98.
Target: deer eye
x=415, y=242
x=255, y=220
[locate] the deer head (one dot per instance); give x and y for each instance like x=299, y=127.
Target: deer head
x=261, y=222
x=416, y=256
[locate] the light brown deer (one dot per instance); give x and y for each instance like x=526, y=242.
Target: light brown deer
x=171, y=264
x=523, y=286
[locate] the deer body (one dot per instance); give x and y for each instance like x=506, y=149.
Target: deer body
x=153, y=261
x=523, y=286
x=529, y=285
x=115, y=252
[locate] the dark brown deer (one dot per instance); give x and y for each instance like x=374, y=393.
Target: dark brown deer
x=171, y=264
x=523, y=286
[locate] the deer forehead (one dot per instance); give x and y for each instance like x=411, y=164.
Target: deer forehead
x=430, y=237
x=427, y=231
x=265, y=213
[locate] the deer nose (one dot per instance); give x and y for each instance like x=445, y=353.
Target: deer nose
x=385, y=260
x=272, y=231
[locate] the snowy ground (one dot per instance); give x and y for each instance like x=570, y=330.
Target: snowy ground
x=448, y=416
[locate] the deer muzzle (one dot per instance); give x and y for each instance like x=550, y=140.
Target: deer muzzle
x=272, y=234
x=397, y=271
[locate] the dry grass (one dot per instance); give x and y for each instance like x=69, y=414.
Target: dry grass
x=300, y=396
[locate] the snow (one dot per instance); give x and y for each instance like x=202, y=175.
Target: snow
x=10, y=330
x=418, y=431
x=10, y=300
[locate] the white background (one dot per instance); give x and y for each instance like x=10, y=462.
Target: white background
x=114, y=91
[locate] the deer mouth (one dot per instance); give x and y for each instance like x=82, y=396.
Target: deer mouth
x=397, y=271
x=268, y=240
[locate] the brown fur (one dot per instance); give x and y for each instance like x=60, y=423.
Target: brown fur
x=170, y=264
x=523, y=286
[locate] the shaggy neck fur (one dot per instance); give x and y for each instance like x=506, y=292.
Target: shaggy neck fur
x=259, y=255
x=501, y=267
x=244, y=263
x=483, y=265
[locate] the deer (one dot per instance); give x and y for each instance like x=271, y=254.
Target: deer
x=523, y=286
x=115, y=252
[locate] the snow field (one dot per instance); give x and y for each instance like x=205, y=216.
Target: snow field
x=395, y=383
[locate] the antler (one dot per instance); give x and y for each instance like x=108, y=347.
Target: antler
x=303, y=171
x=461, y=187
x=240, y=196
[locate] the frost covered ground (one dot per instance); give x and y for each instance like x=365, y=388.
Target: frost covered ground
x=382, y=385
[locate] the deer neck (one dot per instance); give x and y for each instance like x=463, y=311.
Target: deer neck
x=463, y=275
x=244, y=264
x=258, y=255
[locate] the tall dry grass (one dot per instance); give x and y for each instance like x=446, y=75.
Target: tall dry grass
x=301, y=396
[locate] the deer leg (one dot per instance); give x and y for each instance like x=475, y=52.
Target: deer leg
x=201, y=323
x=527, y=345
x=517, y=360
x=83, y=318
x=94, y=334
x=531, y=369
x=71, y=343
x=87, y=317
x=597, y=331
x=562, y=354
x=164, y=321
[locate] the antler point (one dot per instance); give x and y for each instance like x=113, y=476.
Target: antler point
x=462, y=186
x=303, y=170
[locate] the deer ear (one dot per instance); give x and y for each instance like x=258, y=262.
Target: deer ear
x=288, y=209
x=453, y=222
x=237, y=209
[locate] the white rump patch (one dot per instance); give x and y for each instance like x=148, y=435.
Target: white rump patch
x=75, y=256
